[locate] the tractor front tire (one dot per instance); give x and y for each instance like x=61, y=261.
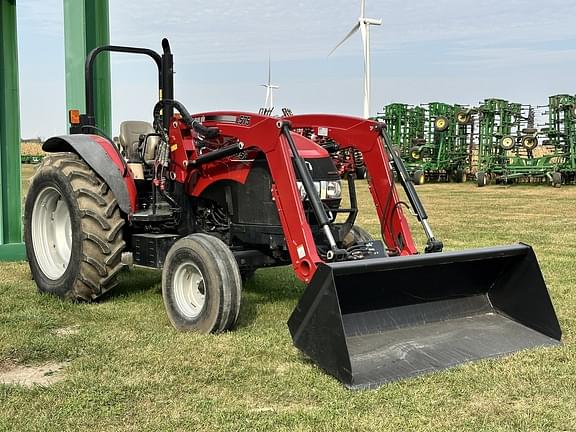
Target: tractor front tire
x=201, y=285
x=72, y=229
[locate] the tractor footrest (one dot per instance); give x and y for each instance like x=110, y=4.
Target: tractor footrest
x=150, y=250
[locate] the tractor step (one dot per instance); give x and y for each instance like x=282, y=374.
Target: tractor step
x=150, y=250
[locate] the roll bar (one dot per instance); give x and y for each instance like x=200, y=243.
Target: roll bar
x=164, y=63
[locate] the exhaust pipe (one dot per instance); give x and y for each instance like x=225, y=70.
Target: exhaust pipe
x=379, y=320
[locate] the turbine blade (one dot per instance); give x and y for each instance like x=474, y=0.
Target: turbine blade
x=364, y=28
x=363, y=9
x=350, y=33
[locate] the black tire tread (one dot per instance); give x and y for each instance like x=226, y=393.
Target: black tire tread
x=220, y=258
x=101, y=223
x=228, y=269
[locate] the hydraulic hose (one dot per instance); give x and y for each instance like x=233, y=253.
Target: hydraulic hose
x=433, y=244
x=208, y=132
x=308, y=183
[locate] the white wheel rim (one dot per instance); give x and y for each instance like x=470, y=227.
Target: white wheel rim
x=51, y=233
x=189, y=289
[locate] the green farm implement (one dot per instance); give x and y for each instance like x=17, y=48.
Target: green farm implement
x=509, y=147
x=561, y=138
x=445, y=155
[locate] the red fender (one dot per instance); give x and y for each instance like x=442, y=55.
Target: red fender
x=100, y=155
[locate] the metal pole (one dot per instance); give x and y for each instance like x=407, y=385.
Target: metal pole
x=86, y=26
x=74, y=53
x=11, y=246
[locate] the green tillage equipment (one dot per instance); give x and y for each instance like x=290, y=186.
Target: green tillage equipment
x=461, y=153
x=406, y=126
x=498, y=119
x=31, y=159
x=396, y=117
x=416, y=126
x=414, y=140
x=508, y=139
x=521, y=164
x=445, y=154
x=561, y=132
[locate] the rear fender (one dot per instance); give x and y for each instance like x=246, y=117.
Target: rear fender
x=101, y=155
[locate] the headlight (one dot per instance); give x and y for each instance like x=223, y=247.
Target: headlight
x=333, y=189
x=326, y=189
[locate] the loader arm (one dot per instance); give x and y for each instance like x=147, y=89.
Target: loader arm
x=365, y=136
x=264, y=134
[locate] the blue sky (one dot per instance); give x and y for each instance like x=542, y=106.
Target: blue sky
x=430, y=50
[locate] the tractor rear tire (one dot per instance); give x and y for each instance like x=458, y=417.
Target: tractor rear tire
x=201, y=285
x=72, y=229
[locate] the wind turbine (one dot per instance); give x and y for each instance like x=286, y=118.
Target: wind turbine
x=269, y=89
x=363, y=25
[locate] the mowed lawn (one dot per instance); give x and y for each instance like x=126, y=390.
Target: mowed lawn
x=129, y=370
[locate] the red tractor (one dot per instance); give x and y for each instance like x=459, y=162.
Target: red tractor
x=211, y=197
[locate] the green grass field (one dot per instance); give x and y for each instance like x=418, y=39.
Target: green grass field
x=128, y=370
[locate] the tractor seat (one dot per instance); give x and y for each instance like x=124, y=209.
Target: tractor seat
x=129, y=137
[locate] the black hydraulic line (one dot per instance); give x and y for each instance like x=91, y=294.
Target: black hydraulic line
x=218, y=154
x=305, y=177
x=208, y=132
x=405, y=180
x=351, y=219
x=433, y=244
x=175, y=206
x=308, y=183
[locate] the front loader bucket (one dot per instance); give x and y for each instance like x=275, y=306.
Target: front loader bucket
x=377, y=320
